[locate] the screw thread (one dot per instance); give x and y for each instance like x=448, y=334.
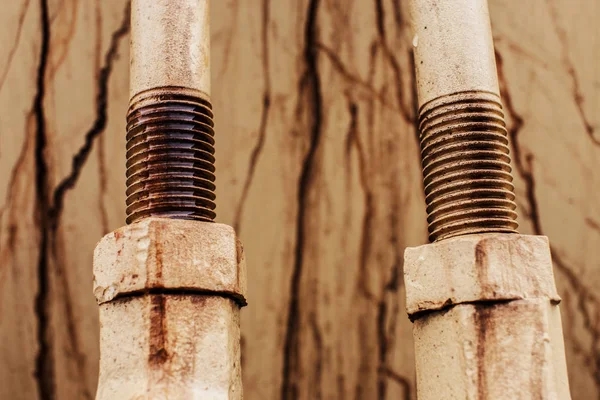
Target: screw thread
x=170, y=156
x=466, y=166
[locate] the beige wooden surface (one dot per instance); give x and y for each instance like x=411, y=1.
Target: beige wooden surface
x=318, y=170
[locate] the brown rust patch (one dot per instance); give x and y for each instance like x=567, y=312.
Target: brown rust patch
x=239, y=247
x=158, y=354
x=198, y=299
x=482, y=264
x=483, y=323
x=158, y=248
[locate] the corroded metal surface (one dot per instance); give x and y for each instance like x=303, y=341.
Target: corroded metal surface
x=466, y=166
x=464, y=142
x=176, y=346
x=170, y=294
x=165, y=254
x=477, y=268
x=170, y=136
x=170, y=156
x=486, y=318
x=481, y=351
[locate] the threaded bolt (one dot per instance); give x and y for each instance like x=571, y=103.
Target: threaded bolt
x=170, y=155
x=170, y=136
x=466, y=166
x=464, y=142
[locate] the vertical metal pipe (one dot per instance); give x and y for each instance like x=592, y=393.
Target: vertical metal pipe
x=482, y=298
x=170, y=136
x=464, y=142
x=170, y=291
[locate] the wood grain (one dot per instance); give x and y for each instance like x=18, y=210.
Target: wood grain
x=318, y=170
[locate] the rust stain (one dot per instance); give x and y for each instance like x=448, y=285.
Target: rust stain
x=199, y=299
x=158, y=247
x=483, y=323
x=158, y=354
x=481, y=262
x=161, y=165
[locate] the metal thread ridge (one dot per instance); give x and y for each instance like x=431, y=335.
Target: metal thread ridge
x=170, y=156
x=466, y=166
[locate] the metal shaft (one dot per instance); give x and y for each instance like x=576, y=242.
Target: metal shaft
x=464, y=142
x=170, y=136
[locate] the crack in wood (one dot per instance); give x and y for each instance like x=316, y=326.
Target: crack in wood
x=317, y=377
x=10, y=193
x=262, y=130
x=389, y=54
x=590, y=323
x=400, y=380
x=44, y=368
x=16, y=42
x=63, y=40
x=49, y=211
x=351, y=78
x=578, y=97
x=97, y=127
x=102, y=172
x=310, y=82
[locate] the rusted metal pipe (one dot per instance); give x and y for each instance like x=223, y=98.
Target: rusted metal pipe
x=170, y=136
x=482, y=297
x=171, y=283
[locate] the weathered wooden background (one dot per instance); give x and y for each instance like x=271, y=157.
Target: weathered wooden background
x=318, y=170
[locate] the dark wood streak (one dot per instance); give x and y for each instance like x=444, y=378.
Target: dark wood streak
x=49, y=207
x=264, y=119
x=310, y=86
x=570, y=67
x=16, y=42
x=44, y=363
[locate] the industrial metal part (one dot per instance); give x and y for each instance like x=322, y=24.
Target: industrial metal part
x=482, y=297
x=464, y=142
x=170, y=291
x=170, y=136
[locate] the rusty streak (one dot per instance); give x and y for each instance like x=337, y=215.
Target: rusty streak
x=158, y=330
